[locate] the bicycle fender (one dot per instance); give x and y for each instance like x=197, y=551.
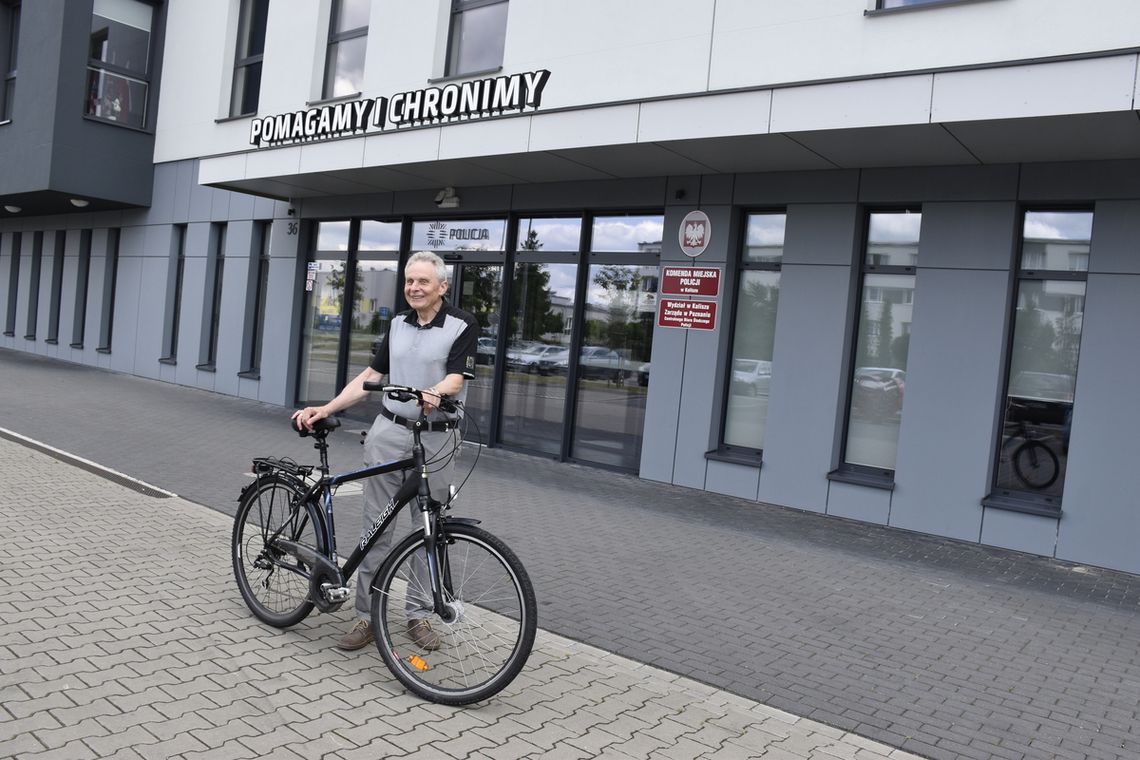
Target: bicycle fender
x=462, y=520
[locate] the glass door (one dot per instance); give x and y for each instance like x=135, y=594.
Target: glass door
x=478, y=289
x=325, y=278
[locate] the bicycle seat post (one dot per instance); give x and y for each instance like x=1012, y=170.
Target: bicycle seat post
x=321, y=444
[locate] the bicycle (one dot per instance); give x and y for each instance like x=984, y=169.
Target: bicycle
x=1034, y=462
x=482, y=601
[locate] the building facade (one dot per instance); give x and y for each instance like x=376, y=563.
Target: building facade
x=871, y=259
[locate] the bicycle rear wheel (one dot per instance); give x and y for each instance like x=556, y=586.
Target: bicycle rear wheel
x=1036, y=464
x=275, y=585
x=491, y=602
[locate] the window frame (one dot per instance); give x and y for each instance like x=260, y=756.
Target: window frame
x=730, y=451
x=9, y=54
x=59, y=256
x=110, y=281
x=454, y=23
x=212, y=300
x=15, y=251
x=96, y=65
x=861, y=474
x=257, y=293
x=174, y=284
x=82, y=283
x=1023, y=500
x=335, y=38
x=248, y=31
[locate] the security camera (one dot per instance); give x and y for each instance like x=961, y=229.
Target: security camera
x=446, y=198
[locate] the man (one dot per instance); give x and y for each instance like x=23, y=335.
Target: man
x=432, y=346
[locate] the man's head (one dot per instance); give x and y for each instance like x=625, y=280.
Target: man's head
x=425, y=281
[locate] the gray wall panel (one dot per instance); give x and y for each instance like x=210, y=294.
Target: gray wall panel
x=1021, y=532
x=662, y=412
x=954, y=379
x=968, y=235
x=125, y=333
x=1080, y=180
x=938, y=183
x=239, y=237
x=1101, y=509
x=780, y=188
x=871, y=505
x=1116, y=237
x=822, y=234
x=282, y=321
x=732, y=479
x=632, y=193
x=152, y=315
x=195, y=299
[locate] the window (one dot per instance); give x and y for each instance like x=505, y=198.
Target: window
x=1029, y=473
x=750, y=372
x=118, y=68
x=34, y=285
x=107, y=322
x=174, y=295
x=56, y=286
x=215, y=267
x=9, y=37
x=348, y=38
x=256, y=295
x=82, y=278
x=477, y=36
x=247, y=59
x=878, y=376
x=13, y=284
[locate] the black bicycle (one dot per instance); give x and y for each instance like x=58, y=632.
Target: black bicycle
x=1034, y=461
x=481, y=600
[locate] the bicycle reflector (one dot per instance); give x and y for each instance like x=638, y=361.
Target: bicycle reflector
x=419, y=663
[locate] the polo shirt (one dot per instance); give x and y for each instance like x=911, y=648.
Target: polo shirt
x=421, y=355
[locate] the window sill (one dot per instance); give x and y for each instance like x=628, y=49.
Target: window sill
x=1027, y=506
x=337, y=99
x=920, y=6
x=51, y=341
x=746, y=458
x=883, y=480
x=103, y=350
x=250, y=374
x=76, y=345
x=239, y=117
x=30, y=337
x=207, y=367
x=465, y=75
x=5, y=122
x=172, y=361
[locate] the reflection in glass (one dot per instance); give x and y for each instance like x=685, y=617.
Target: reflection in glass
x=120, y=34
x=538, y=331
x=747, y=414
x=627, y=233
x=441, y=235
x=351, y=14
x=379, y=236
x=373, y=307
x=332, y=236
x=616, y=343
x=764, y=243
x=116, y=98
x=555, y=235
x=878, y=383
x=478, y=36
x=478, y=289
x=344, y=70
x=321, y=332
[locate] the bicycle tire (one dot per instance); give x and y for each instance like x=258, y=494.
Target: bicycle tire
x=1036, y=465
x=274, y=585
x=481, y=651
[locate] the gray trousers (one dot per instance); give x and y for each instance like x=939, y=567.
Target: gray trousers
x=385, y=442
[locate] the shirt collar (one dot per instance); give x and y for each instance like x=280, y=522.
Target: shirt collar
x=437, y=321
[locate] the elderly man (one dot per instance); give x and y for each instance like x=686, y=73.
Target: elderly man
x=432, y=346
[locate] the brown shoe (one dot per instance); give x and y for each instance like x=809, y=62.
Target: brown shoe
x=360, y=636
x=422, y=634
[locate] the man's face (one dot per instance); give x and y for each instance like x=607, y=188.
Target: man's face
x=422, y=289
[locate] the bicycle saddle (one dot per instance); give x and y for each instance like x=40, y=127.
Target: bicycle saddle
x=321, y=427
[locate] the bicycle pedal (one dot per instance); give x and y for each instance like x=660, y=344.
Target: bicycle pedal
x=333, y=593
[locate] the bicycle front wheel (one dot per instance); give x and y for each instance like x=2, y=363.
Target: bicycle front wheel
x=492, y=616
x=274, y=584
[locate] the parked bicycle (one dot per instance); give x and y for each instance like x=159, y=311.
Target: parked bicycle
x=483, y=603
x=1034, y=462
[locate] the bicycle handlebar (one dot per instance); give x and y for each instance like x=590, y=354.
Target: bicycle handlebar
x=407, y=393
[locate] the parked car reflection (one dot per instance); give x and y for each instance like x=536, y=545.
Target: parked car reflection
x=878, y=392
x=751, y=377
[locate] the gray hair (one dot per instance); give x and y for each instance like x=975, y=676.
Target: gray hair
x=427, y=257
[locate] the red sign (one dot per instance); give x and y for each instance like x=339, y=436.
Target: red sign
x=690, y=281
x=691, y=315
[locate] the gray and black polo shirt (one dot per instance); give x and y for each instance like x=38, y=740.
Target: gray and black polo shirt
x=420, y=356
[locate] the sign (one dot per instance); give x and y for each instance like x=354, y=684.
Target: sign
x=695, y=233
x=690, y=281
x=691, y=315
x=476, y=99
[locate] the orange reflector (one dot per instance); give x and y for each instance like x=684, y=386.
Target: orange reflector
x=419, y=663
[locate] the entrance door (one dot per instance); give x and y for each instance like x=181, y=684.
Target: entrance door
x=478, y=289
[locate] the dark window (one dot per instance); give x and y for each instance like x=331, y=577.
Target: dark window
x=214, y=271
x=882, y=343
x=174, y=293
x=259, y=290
x=1041, y=381
x=56, y=286
x=348, y=39
x=82, y=280
x=9, y=39
x=13, y=284
x=477, y=36
x=750, y=370
x=247, y=59
x=118, y=67
x=110, y=276
x=34, y=285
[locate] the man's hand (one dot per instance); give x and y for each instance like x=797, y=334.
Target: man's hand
x=428, y=405
x=307, y=417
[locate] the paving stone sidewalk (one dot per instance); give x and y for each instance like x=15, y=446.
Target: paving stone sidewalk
x=122, y=635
